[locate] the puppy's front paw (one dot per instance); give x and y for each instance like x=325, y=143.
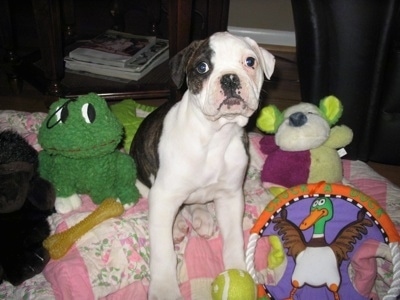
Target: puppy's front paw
x=203, y=222
x=180, y=228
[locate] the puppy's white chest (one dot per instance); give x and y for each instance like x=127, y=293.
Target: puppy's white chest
x=221, y=170
x=213, y=168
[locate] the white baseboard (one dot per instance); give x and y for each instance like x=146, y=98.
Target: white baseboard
x=266, y=36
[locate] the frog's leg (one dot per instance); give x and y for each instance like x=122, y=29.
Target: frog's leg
x=67, y=198
x=64, y=205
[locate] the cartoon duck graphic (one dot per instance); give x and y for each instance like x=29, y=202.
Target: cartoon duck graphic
x=317, y=262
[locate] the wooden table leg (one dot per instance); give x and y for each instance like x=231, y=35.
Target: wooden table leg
x=180, y=14
x=48, y=22
x=218, y=13
x=10, y=58
x=68, y=17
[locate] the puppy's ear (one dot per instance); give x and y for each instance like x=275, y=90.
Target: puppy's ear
x=178, y=63
x=267, y=60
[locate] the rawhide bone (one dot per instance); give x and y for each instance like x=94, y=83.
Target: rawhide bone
x=58, y=244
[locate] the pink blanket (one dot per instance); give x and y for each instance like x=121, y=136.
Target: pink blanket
x=111, y=261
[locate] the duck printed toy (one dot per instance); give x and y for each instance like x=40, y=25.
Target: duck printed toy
x=317, y=262
x=325, y=241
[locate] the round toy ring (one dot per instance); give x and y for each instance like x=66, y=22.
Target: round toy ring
x=325, y=242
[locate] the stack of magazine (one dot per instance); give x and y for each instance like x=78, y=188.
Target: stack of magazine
x=119, y=55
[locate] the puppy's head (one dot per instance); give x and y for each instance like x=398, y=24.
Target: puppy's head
x=224, y=73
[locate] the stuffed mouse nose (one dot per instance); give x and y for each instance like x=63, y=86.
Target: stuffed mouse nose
x=297, y=119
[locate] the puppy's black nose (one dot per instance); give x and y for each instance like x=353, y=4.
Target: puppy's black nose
x=297, y=119
x=230, y=82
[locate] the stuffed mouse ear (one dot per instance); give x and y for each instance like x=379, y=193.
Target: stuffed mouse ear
x=267, y=60
x=178, y=63
x=269, y=119
x=331, y=108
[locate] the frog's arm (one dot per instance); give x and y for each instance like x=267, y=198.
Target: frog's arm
x=45, y=163
x=49, y=171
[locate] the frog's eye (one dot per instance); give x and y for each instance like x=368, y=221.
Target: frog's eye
x=88, y=113
x=61, y=114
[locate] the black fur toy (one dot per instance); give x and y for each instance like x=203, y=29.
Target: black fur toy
x=26, y=200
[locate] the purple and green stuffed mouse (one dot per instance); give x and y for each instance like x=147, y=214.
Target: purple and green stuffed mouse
x=80, y=156
x=304, y=147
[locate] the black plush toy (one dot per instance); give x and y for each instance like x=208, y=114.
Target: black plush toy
x=26, y=200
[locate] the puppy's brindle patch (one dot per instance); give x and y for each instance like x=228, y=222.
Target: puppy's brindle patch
x=202, y=54
x=145, y=144
x=185, y=62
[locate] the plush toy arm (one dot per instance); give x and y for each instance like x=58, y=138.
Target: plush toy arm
x=50, y=169
x=267, y=144
x=340, y=136
x=41, y=193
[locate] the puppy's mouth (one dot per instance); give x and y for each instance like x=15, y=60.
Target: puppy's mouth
x=232, y=101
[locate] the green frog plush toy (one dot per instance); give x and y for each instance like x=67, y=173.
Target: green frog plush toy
x=80, y=156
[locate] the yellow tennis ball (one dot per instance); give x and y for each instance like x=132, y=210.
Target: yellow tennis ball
x=233, y=284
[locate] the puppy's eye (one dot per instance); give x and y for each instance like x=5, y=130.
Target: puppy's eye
x=202, y=68
x=250, y=61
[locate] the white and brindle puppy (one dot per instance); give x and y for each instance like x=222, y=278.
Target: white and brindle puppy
x=194, y=151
